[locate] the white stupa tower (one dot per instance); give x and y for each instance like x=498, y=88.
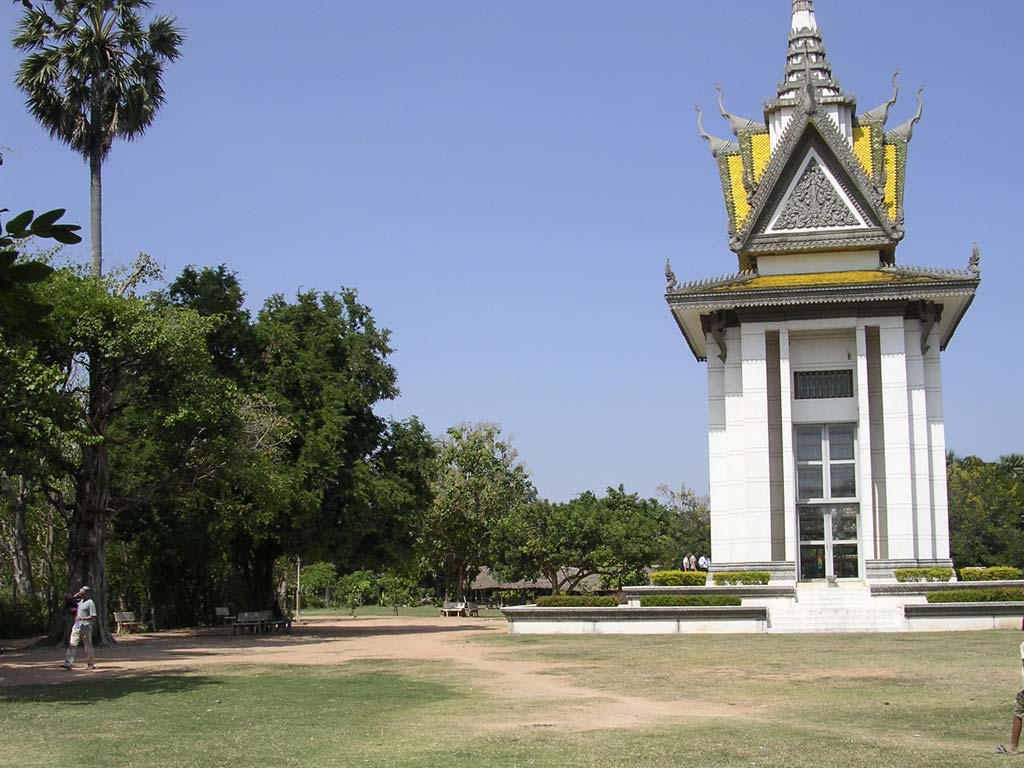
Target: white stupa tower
x=826, y=439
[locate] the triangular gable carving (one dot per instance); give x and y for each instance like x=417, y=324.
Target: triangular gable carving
x=814, y=201
x=815, y=137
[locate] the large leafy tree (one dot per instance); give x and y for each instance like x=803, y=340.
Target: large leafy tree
x=342, y=483
x=92, y=74
x=986, y=511
x=36, y=421
x=323, y=363
x=478, y=481
x=116, y=348
x=614, y=536
x=689, y=529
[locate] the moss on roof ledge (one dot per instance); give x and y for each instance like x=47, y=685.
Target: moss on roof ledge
x=852, y=277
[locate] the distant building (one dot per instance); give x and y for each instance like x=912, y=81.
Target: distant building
x=826, y=438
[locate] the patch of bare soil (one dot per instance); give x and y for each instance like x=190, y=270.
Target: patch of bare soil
x=538, y=696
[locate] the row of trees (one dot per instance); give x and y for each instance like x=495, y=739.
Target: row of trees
x=165, y=439
x=205, y=442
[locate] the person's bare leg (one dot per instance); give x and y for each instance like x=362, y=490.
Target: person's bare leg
x=1015, y=734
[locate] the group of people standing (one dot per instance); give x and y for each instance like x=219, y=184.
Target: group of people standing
x=694, y=563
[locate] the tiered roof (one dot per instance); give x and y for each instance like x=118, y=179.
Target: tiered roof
x=872, y=159
x=815, y=177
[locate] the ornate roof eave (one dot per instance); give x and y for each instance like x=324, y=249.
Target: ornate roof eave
x=794, y=133
x=692, y=303
x=709, y=296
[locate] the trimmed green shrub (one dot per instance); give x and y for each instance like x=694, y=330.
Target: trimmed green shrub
x=678, y=578
x=726, y=578
x=923, y=574
x=990, y=595
x=577, y=601
x=994, y=573
x=652, y=601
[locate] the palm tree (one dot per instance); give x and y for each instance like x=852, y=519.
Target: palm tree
x=92, y=75
x=1013, y=464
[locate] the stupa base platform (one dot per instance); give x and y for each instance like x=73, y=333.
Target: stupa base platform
x=849, y=607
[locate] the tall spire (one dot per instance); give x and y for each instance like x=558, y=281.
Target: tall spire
x=803, y=15
x=806, y=57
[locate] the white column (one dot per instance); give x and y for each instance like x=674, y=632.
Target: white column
x=730, y=535
x=866, y=547
x=788, y=462
x=896, y=428
x=919, y=453
x=937, y=445
x=717, y=451
x=757, y=532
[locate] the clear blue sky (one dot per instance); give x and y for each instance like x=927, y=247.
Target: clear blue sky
x=502, y=182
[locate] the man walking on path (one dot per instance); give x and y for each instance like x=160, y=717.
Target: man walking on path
x=81, y=632
x=1018, y=710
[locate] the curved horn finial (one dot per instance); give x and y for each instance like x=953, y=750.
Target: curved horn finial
x=721, y=100
x=906, y=131
x=895, y=88
x=736, y=123
x=881, y=113
x=717, y=145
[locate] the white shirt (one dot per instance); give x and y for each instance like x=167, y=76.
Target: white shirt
x=86, y=610
x=1022, y=666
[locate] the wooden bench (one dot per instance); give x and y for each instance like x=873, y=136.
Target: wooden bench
x=248, y=620
x=125, y=622
x=223, y=614
x=259, y=622
x=460, y=608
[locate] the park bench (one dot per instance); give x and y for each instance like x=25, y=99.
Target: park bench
x=125, y=622
x=223, y=614
x=259, y=622
x=460, y=608
x=248, y=620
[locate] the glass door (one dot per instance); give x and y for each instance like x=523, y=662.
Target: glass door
x=828, y=542
x=827, y=511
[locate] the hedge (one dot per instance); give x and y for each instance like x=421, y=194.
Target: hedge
x=742, y=577
x=651, y=601
x=990, y=595
x=994, y=573
x=923, y=574
x=577, y=601
x=679, y=578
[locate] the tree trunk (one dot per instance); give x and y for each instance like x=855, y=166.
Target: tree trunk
x=23, y=581
x=96, y=212
x=86, y=559
x=15, y=541
x=260, y=586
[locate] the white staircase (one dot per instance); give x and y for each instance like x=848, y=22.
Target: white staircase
x=846, y=608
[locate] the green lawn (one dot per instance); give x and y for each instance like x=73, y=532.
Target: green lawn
x=862, y=700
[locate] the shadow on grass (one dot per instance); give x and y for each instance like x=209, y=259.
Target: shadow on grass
x=178, y=650
x=103, y=689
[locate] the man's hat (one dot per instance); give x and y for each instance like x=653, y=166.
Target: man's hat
x=84, y=589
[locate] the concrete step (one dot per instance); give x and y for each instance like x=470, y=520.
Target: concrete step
x=821, y=610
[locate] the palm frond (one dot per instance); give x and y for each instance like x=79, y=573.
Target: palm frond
x=93, y=72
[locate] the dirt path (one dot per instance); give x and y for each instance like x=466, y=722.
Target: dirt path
x=532, y=688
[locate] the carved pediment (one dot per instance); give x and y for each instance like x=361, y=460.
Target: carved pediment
x=814, y=202
x=815, y=196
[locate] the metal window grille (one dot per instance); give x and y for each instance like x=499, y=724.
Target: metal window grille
x=815, y=385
